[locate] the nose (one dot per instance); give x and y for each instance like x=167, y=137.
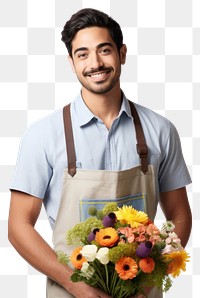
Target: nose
x=95, y=61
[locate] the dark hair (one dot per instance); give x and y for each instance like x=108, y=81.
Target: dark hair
x=89, y=17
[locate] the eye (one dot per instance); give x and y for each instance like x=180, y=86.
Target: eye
x=105, y=51
x=82, y=55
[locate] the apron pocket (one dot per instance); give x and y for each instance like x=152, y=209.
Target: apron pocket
x=137, y=201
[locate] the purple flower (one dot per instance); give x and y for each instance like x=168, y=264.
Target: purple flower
x=91, y=236
x=144, y=249
x=109, y=220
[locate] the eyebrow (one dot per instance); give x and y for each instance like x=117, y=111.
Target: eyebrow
x=101, y=45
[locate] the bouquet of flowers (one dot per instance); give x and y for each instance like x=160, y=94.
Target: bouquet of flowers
x=121, y=251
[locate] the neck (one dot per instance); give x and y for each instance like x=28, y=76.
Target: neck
x=104, y=106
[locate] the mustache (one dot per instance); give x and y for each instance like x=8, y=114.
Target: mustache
x=95, y=70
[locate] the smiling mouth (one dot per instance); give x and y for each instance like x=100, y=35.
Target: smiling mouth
x=100, y=75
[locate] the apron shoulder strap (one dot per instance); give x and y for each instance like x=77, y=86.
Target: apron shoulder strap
x=141, y=145
x=71, y=156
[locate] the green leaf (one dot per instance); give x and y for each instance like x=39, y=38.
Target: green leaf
x=62, y=257
x=76, y=276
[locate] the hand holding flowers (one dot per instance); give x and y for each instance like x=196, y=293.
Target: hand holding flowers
x=121, y=251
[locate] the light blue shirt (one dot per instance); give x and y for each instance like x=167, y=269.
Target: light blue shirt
x=42, y=155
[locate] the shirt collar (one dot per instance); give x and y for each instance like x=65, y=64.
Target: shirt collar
x=84, y=115
x=125, y=107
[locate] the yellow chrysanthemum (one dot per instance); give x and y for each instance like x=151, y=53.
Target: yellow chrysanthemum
x=129, y=215
x=178, y=261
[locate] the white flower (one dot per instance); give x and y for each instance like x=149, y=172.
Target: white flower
x=85, y=266
x=87, y=270
x=89, y=252
x=168, y=249
x=168, y=240
x=168, y=226
x=173, y=239
x=102, y=255
x=173, y=235
x=177, y=241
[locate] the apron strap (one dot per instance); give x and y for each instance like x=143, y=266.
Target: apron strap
x=141, y=146
x=71, y=156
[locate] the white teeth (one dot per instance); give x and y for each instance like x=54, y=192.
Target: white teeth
x=99, y=75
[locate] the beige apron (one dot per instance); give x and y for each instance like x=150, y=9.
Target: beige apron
x=82, y=187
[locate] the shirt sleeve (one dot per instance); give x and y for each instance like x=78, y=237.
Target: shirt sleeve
x=173, y=172
x=33, y=171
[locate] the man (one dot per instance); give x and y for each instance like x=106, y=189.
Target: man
x=106, y=134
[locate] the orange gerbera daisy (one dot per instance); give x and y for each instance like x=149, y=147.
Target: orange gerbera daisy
x=77, y=258
x=127, y=268
x=178, y=262
x=107, y=237
x=147, y=265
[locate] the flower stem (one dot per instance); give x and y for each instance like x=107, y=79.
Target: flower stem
x=107, y=278
x=99, y=278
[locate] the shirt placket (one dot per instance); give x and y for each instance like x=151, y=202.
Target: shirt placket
x=110, y=156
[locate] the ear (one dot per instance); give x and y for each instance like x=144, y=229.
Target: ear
x=71, y=63
x=122, y=53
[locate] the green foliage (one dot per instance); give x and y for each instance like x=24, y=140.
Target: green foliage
x=167, y=283
x=92, y=211
x=62, y=257
x=79, y=233
x=159, y=275
x=100, y=214
x=110, y=207
x=76, y=276
x=121, y=250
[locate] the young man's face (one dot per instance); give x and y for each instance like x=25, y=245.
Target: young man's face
x=95, y=60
